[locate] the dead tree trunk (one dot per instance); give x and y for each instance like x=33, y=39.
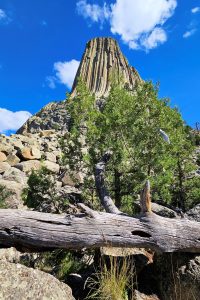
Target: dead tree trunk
x=34, y=231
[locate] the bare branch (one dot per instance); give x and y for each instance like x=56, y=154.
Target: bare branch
x=145, y=198
x=103, y=194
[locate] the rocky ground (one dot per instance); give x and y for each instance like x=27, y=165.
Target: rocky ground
x=19, y=154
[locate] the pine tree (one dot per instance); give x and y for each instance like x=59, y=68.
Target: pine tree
x=130, y=124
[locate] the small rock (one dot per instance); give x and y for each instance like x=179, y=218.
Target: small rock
x=72, y=179
x=27, y=166
x=194, y=213
x=51, y=166
x=50, y=156
x=141, y=296
x=46, y=133
x=2, y=157
x=5, y=147
x=35, y=152
x=12, y=159
x=4, y=166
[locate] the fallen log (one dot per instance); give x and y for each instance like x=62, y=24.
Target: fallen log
x=35, y=231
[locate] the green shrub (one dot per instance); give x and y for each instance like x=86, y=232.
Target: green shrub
x=41, y=193
x=4, y=194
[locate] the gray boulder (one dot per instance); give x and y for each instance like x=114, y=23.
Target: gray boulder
x=20, y=282
x=194, y=213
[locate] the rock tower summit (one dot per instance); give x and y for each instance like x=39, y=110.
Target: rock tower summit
x=102, y=58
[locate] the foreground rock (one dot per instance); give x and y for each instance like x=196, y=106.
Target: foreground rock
x=178, y=275
x=194, y=213
x=20, y=282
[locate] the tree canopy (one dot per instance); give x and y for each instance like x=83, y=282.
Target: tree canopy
x=128, y=123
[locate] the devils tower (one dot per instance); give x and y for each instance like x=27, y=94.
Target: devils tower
x=102, y=58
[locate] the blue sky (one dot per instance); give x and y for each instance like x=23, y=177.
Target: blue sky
x=42, y=41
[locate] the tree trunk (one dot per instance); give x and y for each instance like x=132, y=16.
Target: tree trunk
x=35, y=231
x=117, y=183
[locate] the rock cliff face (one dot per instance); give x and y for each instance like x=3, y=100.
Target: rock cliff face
x=103, y=58
x=52, y=116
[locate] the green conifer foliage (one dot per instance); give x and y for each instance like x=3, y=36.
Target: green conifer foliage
x=128, y=124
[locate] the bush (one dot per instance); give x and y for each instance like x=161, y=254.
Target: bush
x=4, y=194
x=42, y=194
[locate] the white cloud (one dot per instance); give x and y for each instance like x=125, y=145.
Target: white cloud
x=138, y=22
x=2, y=14
x=4, y=17
x=195, y=10
x=64, y=73
x=189, y=33
x=10, y=120
x=51, y=81
x=94, y=12
x=156, y=37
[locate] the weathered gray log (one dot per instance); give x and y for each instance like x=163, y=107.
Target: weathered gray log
x=35, y=231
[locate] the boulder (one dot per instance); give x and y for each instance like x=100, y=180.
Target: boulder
x=27, y=166
x=12, y=159
x=72, y=179
x=141, y=296
x=46, y=133
x=158, y=209
x=51, y=166
x=14, y=199
x=2, y=157
x=20, y=282
x=14, y=174
x=50, y=156
x=4, y=166
x=35, y=152
x=17, y=144
x=28, y=153
x=5, y=147
x=194, y=213
x=178, y=275
x=10, y=255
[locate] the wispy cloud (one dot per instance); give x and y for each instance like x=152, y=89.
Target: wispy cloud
x=139, y=26
x=10, y=120
x=189, y=33
x=195, y=10
x=44, y=23
x=93, y=12
x=51, y=81
x=4, y=18
x=64, y=72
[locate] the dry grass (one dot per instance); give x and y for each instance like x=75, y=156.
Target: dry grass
x=114, y=280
